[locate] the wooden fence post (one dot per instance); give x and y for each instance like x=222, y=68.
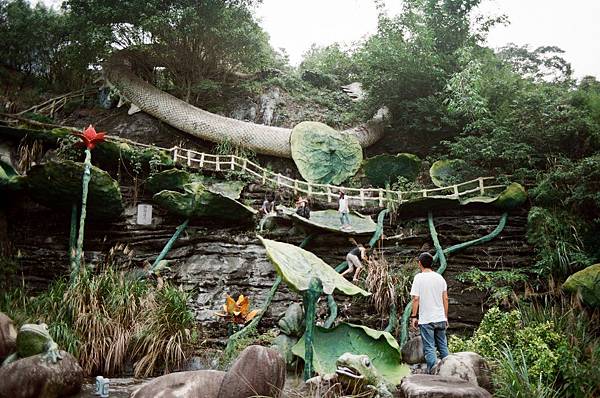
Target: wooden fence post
x=380, y=197
x=202, y=160
x=481, y=188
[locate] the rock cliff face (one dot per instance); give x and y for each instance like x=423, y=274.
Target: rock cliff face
x=212, y=258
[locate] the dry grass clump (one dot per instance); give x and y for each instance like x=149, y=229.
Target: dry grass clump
x=381, y=282
x=109, y=321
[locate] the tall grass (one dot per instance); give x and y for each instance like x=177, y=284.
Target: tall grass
x=109, y=321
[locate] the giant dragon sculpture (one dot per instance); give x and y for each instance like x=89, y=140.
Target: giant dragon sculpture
x=268, y=140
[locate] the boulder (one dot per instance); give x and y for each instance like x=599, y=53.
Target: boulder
x=468, y=366
x=34, y=377
x=197, y=384
x=412, y=351
x=585, y=283
x=433, y=386
x=8, y=336
x=258, y=371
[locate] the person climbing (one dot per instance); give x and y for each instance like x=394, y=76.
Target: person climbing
x=430, y=299
x=302, y=208
x=268, y=205
x=343, y=210
x=353, y=259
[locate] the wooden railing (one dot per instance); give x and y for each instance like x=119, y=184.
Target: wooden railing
x=362, y=196
x=53, y=105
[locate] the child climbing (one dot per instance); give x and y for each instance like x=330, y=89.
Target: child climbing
x=353, y=258
x=302, y=208
x=343, y=210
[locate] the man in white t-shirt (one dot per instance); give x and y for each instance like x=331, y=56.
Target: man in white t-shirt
x=430, y=298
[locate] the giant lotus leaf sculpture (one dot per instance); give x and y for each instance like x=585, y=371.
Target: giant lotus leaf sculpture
x=381, y=347
x=298, y=266
x=324, y=155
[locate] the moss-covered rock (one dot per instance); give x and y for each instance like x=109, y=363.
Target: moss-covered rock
x=176, y=179
x=512, y=197
x=110, y=153
x=449, y=172
x=198, y=201
x=587, y=283
x=324, y=155
x=383, y=169
x=57, y=184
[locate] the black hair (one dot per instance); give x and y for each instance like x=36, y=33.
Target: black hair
x=426, y=259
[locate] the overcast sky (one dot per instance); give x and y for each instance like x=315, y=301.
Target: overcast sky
x=571, y=25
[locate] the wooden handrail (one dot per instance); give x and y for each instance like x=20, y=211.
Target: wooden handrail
x=363, y=195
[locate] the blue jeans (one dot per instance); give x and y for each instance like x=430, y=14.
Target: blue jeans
x=434, y=334
x=344, y=216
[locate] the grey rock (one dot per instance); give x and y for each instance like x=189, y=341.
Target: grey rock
x=35, y=377
x=197, y=384
x=433, y=386
x=268, y=103
x=8, y=336
x=468, y=366
x=412, y=351
x=258, y=371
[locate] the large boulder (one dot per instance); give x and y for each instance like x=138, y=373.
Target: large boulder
x=197, y=384
x=468, y=366
x=412, y=351
x=35, y=377
x=433, y=386
x=258, y=371
x=8, y=336
x=586, y=283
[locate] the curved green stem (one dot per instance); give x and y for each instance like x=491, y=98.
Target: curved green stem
x=169, y=245
x=393, y=320
x=441, y=256
x=87, y=175
x=333, y=311
x=73, y=236
x=315, y=288
x=379, y=229
x=248, y=329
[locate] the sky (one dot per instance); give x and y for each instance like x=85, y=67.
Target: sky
x=571, y=25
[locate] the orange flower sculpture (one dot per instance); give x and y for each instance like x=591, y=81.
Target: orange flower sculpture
x=237, y=311
x=90, y=138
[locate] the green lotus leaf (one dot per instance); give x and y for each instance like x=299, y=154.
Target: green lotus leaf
x=197, y=201
x=385, y=169
x=587, y=283
x=9, y=178
x=381, y=347
x=324, y=155
x=444, y=173
x=57, y=184
x=329, y=220
x=298, y=266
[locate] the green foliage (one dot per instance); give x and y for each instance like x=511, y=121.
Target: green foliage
x=330, y=60
x=531, y=354
x=386, y=169
x=498, y=286
x=555, y=235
